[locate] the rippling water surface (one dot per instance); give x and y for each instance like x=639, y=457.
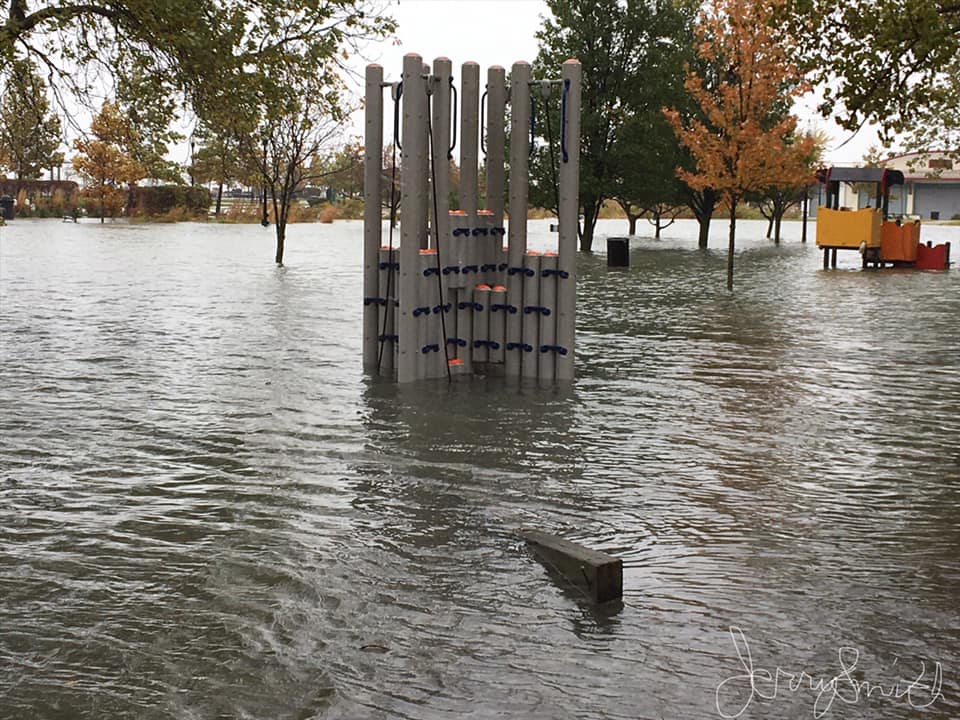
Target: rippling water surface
x=207, y=511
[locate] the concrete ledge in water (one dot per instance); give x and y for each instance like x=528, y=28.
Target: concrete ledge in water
x=599, y=574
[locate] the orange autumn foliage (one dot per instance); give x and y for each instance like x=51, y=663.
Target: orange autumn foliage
x=742, y=144
x=744, y=140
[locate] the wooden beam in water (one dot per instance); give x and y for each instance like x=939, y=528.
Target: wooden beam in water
x=599, y=574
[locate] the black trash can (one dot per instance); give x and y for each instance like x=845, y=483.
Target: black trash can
x=6, y=207
x=618, y=252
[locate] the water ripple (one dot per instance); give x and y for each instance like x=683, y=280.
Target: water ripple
x=207, y=511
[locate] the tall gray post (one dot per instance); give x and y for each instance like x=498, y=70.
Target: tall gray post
x=496, y=115
x=428, y=184
x=442, y=74
x=372, y=220
x=519, y=189
x=569, y=217
x=469, y=138
x=413, y=188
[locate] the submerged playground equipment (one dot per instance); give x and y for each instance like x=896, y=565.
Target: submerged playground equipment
x=880, y=239
x=449, y=298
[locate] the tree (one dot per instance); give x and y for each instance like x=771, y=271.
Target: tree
x=390, y=182
x=703, y=201
x=895, y=63
x=626, y=48
x=344, y=170
x=646, y=155
x=252, y=70
x=146, y=104
x=743, y=148
x=221, y=57
x=116, y=128
x=218, y=161
x=30, y=135
x=662, y=215
x=800, y=161
x=104, y=163
x=287, y=148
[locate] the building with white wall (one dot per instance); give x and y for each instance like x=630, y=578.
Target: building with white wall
x=931, y=185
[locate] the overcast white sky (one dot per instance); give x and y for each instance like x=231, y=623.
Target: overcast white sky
x=488, y=32
x=500, y=32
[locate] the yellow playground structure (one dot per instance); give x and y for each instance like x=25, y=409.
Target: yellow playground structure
x=880, y=239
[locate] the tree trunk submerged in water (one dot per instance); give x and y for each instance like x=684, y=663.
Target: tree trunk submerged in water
x=732, y=242
x=281, y=207
x=702, y=203
x=281, y=240
x=591, y=211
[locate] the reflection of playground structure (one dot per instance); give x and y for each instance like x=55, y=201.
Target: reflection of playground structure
x=880, y=240
x=440, y=454
x=451, y=481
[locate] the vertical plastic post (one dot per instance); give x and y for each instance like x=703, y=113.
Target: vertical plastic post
x=496, y=115
x=464, y=315
x=387, y=314
x=484, y=245
x=458, y=225
x=546, y=351
x=498, y=319
x=568, y=217
x=422, y=310
x=519, y=189
x=426, y=236
x=530, y=312
x=413, y=188
x=469, y=138
x=434, y=360
x=442, y=68
x=481, y=323
x=372, y=220
x=447, y=328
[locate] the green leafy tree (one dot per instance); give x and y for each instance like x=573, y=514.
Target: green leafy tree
x=895, y=63
x=390, y=182
x=148, y=102
x=223, y=58
x=344, y=170
x=30, y=134
x=263, y=72
x=646, y=158
x=628, y=50
x=217, y=160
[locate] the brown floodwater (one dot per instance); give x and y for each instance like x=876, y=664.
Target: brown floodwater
x=208, y=511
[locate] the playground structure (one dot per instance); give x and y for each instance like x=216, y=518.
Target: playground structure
x=880, y=240
x=451, y=299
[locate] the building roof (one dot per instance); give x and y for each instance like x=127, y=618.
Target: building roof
x=932, y=166
x=887, y=176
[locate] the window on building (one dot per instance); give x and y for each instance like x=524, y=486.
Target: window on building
x=940, y=164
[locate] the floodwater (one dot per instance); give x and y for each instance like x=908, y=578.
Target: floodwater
x=208, y=511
